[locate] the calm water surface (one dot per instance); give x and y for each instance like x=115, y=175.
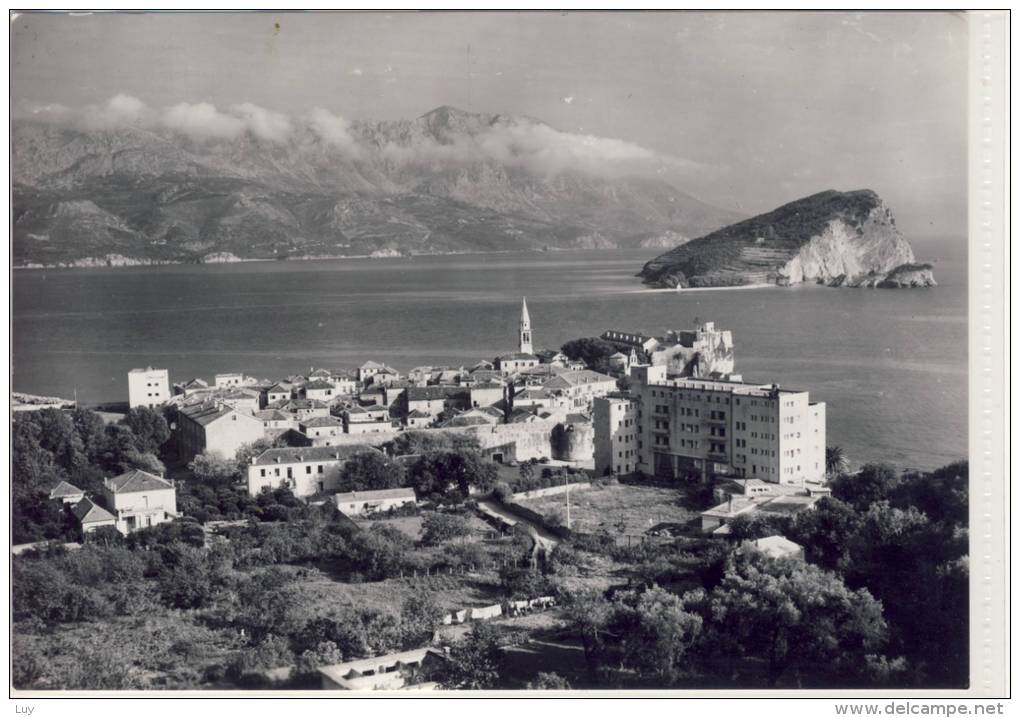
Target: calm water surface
x=892, y=365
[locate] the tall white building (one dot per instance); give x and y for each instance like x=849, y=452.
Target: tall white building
x=148, y=387
x=616, y=435
x=703, y=428
x=525, y=329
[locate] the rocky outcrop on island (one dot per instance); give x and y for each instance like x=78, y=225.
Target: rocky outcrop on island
x=834, y=238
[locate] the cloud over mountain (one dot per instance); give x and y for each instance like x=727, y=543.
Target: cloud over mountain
x=449, y=137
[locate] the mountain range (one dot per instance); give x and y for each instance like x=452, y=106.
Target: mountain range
x=448, y=181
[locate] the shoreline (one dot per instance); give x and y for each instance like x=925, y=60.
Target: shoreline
x=731, y=287
x=315, y=258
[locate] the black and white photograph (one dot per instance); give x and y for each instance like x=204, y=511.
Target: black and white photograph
x=541, y=353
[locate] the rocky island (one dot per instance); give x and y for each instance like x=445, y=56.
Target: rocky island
x=833, y=238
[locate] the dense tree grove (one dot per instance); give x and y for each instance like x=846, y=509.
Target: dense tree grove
x=593, y=351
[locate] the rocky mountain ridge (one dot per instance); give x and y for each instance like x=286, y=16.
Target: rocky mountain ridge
x=448, y=181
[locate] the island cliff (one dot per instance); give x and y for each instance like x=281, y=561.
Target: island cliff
x=834, y=238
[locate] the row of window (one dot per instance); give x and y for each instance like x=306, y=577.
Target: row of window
x=290, y=471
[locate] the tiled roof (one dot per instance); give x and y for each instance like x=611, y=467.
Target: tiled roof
x=577, y=378
x=356, y=496
x=516, y=356
x=372, y=365
x=368, y=410
x=576, y=419
x=297, y=454
x=205, y=413
x=433, y=393
x=418, y=415
x=292, y=404
x=88, y=512
x=273, y=415
x=137, y=480
x=317, y=384
x=321, y=421
x=63, y=489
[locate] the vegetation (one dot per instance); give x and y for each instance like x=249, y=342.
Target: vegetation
x=877, y=602
x=593, y=351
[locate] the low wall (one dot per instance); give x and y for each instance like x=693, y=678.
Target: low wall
x=552, y=490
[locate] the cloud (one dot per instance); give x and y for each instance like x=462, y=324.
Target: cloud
x=203, y=122
x=541, y=150
x=357, y=72
x=331, y=129
x=264, y=124
x=118, y=112
x=568, y=99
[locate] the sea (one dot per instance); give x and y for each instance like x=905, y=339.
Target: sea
x=891, y=365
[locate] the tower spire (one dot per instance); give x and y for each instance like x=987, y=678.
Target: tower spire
x=525, y=329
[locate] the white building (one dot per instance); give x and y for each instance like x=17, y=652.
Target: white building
x=139, y=500
x=616, y=424
x=356, y=503
x=699, y=427
x=217, y=428
x=306, y=470
x=575, y=390
x=226, y=381
x=148, y=387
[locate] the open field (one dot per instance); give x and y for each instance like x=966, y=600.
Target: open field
x=619, y=509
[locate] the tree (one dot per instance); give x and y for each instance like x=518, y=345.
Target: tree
x=91, y=429
x=270, y=652
x=449, y=475
x=836, y=463
x=872, y=483
x=826, y=533
x=661, y=635
x=548, y=682
x=439, y=527
x=758, y=525
x=410, y=443
x=211, y=468
x=419, y=619
x=592, y=351
x=588, y=615
x=793, y=616
x=149, y=427
x=369, y=471
x=475, y=662
x=119, y=450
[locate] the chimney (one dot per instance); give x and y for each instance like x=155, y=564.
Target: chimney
x=730, y=509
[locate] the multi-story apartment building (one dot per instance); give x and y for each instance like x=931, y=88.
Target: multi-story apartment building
x=699, y=427
x=616, y=435
x=148, y=387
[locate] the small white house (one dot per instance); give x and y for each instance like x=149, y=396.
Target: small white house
x=139, y=499
x=356, y=503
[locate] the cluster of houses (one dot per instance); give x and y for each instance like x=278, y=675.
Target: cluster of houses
x=326, y=407
x=133, y=500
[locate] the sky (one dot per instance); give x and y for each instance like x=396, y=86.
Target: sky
x=756, y=108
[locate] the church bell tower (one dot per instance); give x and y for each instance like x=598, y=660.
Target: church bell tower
x=525, y=329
